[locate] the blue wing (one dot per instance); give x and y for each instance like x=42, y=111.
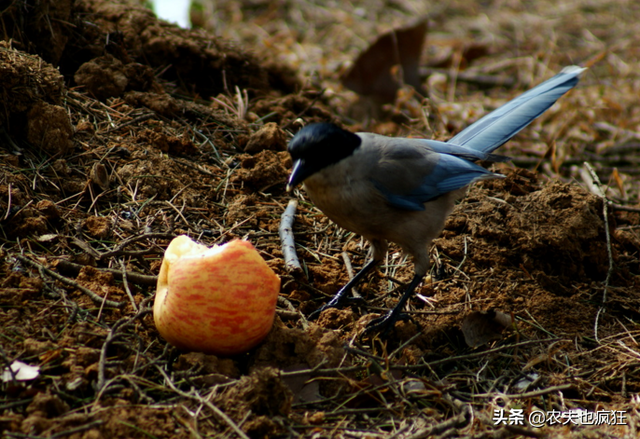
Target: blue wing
x=412, y=172
x=409, y=177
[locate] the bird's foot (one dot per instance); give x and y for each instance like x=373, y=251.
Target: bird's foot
x=337, y=302
x=386, y=323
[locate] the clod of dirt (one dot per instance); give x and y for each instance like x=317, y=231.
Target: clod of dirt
x=169, y=144
x=106, y=76
x=258, y=398
x=49, y=209
x=121, y=419
x=49, y=128
x=263, y=170
x=198, y=362
x=285, y=347
x=32, y=346
x=240, y=208
x=290, y=107
x=103, y=77
x=270, y=136
x=141, y=171
x=25, y=80
x=99, y=281
x=141, y=77
x=334, y=318
x=324, y=276
x=90, y=274
x=97, y=226
x=81, y=363
x=16, y=288
x=27, y=222
x=161, y=103
x=61, y=167
x=47, y=406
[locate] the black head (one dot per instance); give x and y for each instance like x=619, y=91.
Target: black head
x=317, y=146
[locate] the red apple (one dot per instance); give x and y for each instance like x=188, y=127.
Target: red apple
x=219, y=300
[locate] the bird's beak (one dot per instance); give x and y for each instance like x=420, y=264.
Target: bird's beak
x=298, y=174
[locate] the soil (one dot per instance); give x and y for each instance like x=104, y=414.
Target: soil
x=121, y=132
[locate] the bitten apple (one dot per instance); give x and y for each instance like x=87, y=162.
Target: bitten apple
x=219, y=300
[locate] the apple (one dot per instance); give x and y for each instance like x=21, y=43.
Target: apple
x=219, y=300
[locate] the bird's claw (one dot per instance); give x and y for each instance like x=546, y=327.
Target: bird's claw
x=339, y=303
x=384, y=324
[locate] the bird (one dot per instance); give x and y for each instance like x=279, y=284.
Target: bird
x=401, y=190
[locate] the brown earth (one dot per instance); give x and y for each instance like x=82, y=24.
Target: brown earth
x=121, y=132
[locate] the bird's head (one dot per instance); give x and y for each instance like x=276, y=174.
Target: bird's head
x=318, y=146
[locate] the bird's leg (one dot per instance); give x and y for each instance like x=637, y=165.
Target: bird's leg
x=385, y=323
x=341, y=296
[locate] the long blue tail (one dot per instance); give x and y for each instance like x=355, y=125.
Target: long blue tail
x=497, y=127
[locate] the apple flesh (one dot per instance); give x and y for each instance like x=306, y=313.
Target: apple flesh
x=219, y=300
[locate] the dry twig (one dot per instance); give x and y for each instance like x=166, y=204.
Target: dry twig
x=113, y=333
x=95, y=297
x=286, y=237
x=596, y=188
x=195, y=396
x=132, y=276
x=456, y=422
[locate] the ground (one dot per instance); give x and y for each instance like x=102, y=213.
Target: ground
x=121, y=132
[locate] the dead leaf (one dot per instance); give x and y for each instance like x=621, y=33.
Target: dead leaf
x=391, y=61
x=615, y=176
x=480, y=328
x=21, y=372
x=99, y=176
x=304, y=389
